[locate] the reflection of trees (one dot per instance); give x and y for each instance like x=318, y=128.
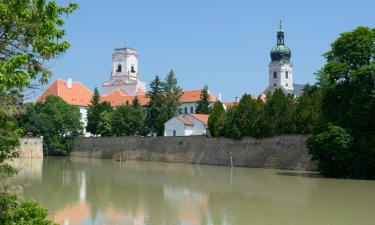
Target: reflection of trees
x=51, y=191
x=162, y=193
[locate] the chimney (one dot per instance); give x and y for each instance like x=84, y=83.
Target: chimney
x=69, y=83
x=219, y=96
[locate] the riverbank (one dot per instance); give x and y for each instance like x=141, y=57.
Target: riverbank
x=281, y=152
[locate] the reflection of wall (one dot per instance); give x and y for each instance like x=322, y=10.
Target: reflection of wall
x=30, y=169
x=31, y=148
x=282, y=152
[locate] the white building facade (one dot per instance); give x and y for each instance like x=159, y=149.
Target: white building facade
x=187, y=125
x=125, y=73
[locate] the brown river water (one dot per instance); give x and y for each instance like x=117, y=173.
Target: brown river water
x=92, y=191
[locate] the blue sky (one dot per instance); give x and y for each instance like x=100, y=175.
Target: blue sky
x=224, y=44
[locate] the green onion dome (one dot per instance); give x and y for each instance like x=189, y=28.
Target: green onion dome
x=280, y=51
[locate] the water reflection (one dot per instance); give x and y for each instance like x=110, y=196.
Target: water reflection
x=86, y=191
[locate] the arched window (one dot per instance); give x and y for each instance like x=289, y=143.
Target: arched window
x=274, y=84
x=274, y=75
x=286, y=75
x=119, y=68
x=132, y=69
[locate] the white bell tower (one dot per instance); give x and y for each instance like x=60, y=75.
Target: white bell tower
x=125, y=63
x=125, y=74
x=280, y=68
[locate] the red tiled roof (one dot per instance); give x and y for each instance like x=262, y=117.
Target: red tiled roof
x=77, y=95
x=193, y=96
x=230, y=104
x=185, y=120
x=201, y=117
x=119, y=97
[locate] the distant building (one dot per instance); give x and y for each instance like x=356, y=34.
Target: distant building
x=125, y=73
x=73, y=93
x=187, y=125
x=281, y=69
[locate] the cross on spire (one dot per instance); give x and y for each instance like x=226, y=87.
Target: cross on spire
x=280, y=26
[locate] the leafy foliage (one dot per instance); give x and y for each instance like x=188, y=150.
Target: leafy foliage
x=16, y=212
x=127, y=120
x=56, y=121
x=347, y=83
x=331, y=149
x=30, y=33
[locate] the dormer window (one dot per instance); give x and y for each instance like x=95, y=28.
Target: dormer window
x=119, y=68
x=274, y=75
x=286, y=75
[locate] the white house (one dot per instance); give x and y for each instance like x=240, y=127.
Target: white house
x=187, y=125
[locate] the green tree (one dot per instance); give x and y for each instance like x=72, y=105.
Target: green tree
x=154, y=119
x=331, y=148
x=172, y=95
x=308, y=110
x=57, y=122
x=203, y=106
x=216, y=119
x=93, y=113
x=348, y=101
x=280, y=109
x=105, y=125
x=30, y=34
x=127, y=120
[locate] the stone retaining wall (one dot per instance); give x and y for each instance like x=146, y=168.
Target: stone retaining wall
x=281, y=152
x=31, y=148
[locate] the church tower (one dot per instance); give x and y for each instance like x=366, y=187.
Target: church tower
x=280, y=68
x=125, y=74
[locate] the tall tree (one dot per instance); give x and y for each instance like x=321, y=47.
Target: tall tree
x=347, y=81
x=93, y=113
x=203, y=106
x=105, y=125
x=280, y=108
x=155, y=108
x=172, y=94
x=30, y=33
x=216, y=119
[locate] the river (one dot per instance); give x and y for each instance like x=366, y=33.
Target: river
x=92, y=191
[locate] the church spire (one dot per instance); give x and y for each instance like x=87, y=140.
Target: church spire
x=280, y=35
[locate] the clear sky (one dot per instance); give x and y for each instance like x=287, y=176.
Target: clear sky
x=224, y=44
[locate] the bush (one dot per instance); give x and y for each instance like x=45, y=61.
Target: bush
x=331, y=148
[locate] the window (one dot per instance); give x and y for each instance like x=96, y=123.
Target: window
x=274, y=75
x=185, y=109
x=132, y=69
x=118, y=68
x=180, y=111
x=191, y=109
x=274, y=84
x=286, y=84
x=286, y=75
x=174, y=133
